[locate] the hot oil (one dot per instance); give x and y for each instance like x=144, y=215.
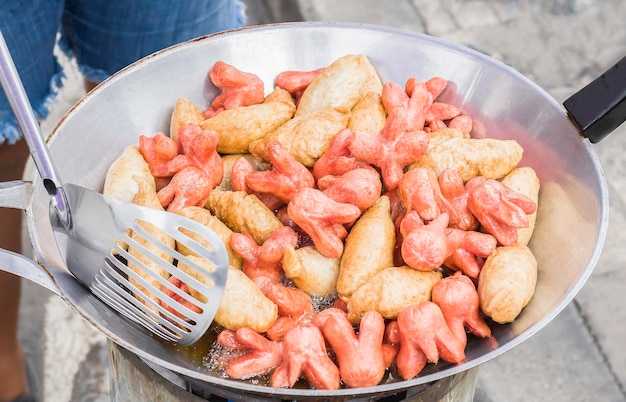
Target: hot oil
x=212, y=358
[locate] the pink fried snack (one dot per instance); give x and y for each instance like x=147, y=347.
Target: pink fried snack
x=462, y=122
x=200, y=147
x=337, y=159
x=434, y=86
x=360, y=187
x=240, y=170
x=291, y=301
x=360, y=357
x=157, y=150
x=322, y=219
x=294, y=306
x=466, y=262
x=499, y=209
x=286, y=177
x=261, y=357
x=189, y=187
x=295, y=82
x=425, y=247
x=423, y=326
x=401, y=142
x=264, y=260
x=458, y=300
x=419, y=191
x=237, y=88
x=304, y=353
x=197, y=148
x=454, y=200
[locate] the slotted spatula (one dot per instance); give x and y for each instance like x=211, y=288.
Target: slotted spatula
x=114, y=248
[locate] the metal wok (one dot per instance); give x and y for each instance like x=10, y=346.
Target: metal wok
x=573, y=209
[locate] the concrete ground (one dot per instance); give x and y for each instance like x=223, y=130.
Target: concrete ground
x=561, y=45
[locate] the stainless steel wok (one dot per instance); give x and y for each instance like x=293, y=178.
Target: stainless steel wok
x=573, y=210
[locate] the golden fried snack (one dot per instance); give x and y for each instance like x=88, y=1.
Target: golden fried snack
x=369, y=248
x=147, y=197
x=368, y=114
x=194, y=273
x=306, y=136
x=439, y=136
x=239, y=126
x=310, y=271
x=243, y=212
x=185, y=112
x=392, y=290
x=119, y=182
x=471, y=157
x=342, y=84
x=146, y=193
x=524, y=180
x=204, y=216
x=229, y=161
x=147, y=262
x=244, y=305
x=507, y=282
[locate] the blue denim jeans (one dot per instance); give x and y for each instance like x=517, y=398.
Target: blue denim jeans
x=103, y=35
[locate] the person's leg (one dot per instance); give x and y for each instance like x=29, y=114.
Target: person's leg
x=29, y=29
x=107, y=35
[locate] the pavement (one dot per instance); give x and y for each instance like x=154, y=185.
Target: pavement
x=561, y=45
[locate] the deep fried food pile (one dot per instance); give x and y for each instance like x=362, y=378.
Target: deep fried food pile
x=337, y=185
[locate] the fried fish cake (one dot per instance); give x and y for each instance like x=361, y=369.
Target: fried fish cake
x=524, y=180
x=471, y=157
x=146, y=193
x=310, y=271
x=119, y=182
x=341, y=85
x=392, y=290
x=439, y=136
x=185, y=112
x=244, y=305
x=240, y=126
x=368, y=114
x=204, y=216
x=306, y=137
x=243, y=212
x=369, y=248
x=507, y=282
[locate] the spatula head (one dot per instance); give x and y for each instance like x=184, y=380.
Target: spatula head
x=128, y=256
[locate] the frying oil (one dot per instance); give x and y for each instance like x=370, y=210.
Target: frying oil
x=212, y=358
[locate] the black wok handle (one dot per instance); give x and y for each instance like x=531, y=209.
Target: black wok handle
x=600, y=107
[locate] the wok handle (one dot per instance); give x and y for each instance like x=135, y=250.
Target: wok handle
x=26, y=268
x=15, y=194
x=600, y=107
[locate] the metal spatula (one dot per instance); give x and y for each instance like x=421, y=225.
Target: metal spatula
x=114, y=248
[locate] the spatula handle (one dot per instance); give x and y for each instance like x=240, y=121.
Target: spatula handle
x=18, y=99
